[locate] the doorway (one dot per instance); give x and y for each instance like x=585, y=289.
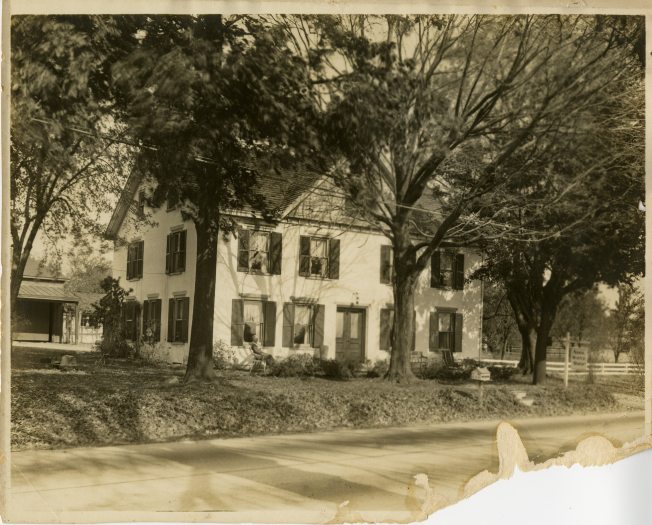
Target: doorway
x=349, y=337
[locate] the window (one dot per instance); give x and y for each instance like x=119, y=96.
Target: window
x=251, y=317
x=131, y=319
x=135, y=260
x=303, y=324
x=447, y=270
x=178, y=315
x=259, y=251
x=141, y=203
x=152, y=320
x=445, y=331
x=253, y=320
x=319, y=257
x=175, y=255
x=386, y=265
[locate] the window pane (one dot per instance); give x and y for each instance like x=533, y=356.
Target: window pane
x=444, y=323
x=446, y=262
x=253, y=318
x=339, y=331
x=355, y=325
x=258, y=241
x=318, y=248
x=444, y=340
x=302, y=322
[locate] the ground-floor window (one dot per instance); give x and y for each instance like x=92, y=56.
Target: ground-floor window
x=178, y=317
x=446, y=331
x=303, y=324
x=152, y=320
x=253, y=317
x=131, y=319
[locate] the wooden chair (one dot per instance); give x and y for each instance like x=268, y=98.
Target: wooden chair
x=258, y=363
x=448, y=359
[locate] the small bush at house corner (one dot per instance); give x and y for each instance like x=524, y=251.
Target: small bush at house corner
x=223, y=355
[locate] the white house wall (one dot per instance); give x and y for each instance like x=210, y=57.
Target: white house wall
x=155, y=283
x=358, y=285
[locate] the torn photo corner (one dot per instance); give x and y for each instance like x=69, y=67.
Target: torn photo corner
x=327, y=263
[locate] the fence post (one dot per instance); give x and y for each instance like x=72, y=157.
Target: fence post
x=566, y=358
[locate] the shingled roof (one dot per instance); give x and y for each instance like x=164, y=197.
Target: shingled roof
x=279, y=190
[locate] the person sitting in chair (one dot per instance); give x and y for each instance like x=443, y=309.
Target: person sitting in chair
x=255, y=349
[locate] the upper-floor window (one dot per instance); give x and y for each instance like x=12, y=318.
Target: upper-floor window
x=175, y=252
x=259, y=251
x=319, y=257
x=135, y=260
x=141, y=203
x=386, y=265
x=447, y=270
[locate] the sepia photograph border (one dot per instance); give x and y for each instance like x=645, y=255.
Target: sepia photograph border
x=626, y=7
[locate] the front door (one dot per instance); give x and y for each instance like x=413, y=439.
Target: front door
x=350, y=334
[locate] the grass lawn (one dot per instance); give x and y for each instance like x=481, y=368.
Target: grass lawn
x=133, y=402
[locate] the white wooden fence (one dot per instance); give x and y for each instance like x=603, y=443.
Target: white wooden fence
x=600, y=369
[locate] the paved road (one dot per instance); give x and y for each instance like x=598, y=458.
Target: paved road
x=310, y=473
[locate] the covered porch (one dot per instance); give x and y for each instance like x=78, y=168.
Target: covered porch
x=45, y=313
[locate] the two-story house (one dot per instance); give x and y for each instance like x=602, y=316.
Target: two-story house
x=319, y=280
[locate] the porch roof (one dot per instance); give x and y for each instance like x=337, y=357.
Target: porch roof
x=45, y=291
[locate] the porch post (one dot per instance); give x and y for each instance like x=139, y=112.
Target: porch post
x=77, y=320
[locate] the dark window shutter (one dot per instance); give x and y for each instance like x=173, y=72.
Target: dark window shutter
x=130, y=261
x=414, y=330
x=320, y=314
x=288, y=325
x=237, y=321
x=243, y=250
x=304, y=256
x=275, y=253
x=156, y=317
x=334, y=259
x=141, y=257
x=459, y=271
x=137, y=318
x=433, y=339
x=182, y=252
x=185, y=305
x=385, y=254
x=269, y=323
x=435, y=267
x=146, y=315
x=168, y=254
x=385, y=329
x=458, y=333
x=171, y=320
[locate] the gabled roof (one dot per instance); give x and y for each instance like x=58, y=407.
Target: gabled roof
x=121, y=209
x=279, y=190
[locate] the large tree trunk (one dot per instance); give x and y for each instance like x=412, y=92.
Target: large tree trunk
x=200, y=356
x=541, y=349
x=528, y=343
x=403, y=333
